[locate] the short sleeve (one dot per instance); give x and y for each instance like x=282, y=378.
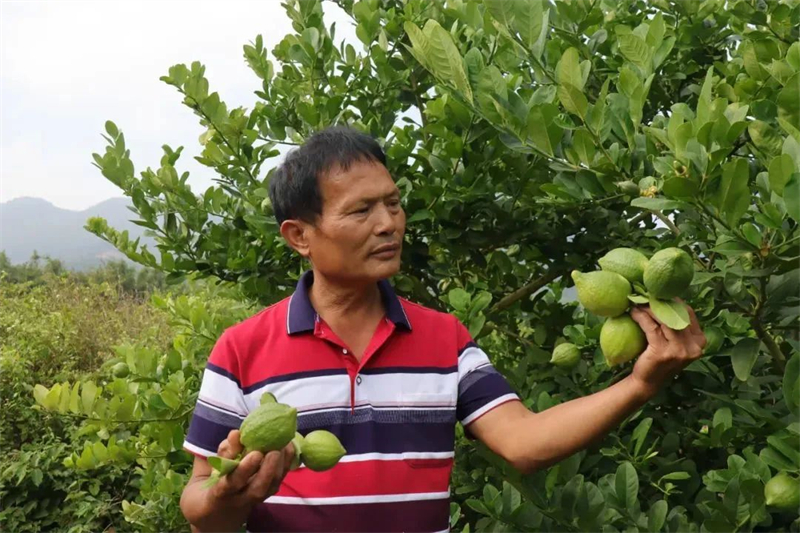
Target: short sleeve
x=220, y=403
x=481, y=388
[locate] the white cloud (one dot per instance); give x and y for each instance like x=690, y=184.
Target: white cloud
x=68, y=66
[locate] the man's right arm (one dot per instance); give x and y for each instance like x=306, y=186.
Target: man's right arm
x=226, y=505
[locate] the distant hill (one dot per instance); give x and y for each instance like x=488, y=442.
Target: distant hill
x=28, y=224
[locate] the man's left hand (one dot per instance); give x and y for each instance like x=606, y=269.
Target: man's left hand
x=668, y=351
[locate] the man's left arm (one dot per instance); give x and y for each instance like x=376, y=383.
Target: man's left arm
x=531, y=441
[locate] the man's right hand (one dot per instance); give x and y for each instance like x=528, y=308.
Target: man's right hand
x=226, y=505
x=257, y=477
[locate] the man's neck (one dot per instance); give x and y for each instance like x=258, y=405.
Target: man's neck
x=345, y=305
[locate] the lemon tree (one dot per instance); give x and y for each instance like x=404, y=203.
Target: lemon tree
x=529, y=139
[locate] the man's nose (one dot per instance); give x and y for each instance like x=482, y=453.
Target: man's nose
x=387, y=221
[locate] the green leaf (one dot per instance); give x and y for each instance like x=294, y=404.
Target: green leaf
x=672, y=314
x=765, y=137
x=780, y=170
x=434, y=48
x=640, y=434
x=570, y=493
x=529, y=21
x=629, y=82
x=568, y=70
x=589, y=506
x=676, y=476
x=63, y=403
x=478, y=506
x=636, y=51
x=791, y=196
x=752, y=234
x=732, y=248
x=663, y=51
x=88, y=395
x=481, y=302
x=743, y=357
x=658, y=203
x=776, y=460
x=733, y=195
x=111, y=129
x=125, y=409
x=597, y=115
x=677, y=187
x=657, y=515
x=786, y=444
x=503, y=11
x=704, y=100
x=626, y=485
x=459, y=299
x=215, y=462
x=511, y=498
x=583, y=143
x=751, y=62
x=572, y=99
x=476, y=324
x=789, y=106
x=793, y=56
x=638, y=299
x=170, y=399
x=74, y=398
x=40, y=394
x=655, y=32
x=543, y=132
x=791, y=384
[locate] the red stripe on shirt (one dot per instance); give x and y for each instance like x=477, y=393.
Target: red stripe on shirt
x=373, y=477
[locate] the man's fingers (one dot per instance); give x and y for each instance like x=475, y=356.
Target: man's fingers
x=239, y=478
x=233, y=438
x=230, y=447
x=269, y=474
x=695, y=329
x=649, y=325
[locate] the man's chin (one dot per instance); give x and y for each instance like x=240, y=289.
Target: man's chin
x=385, y=269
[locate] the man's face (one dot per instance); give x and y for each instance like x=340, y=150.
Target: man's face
x=359, y=235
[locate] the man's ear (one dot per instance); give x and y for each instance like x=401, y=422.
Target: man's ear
x=296, y=234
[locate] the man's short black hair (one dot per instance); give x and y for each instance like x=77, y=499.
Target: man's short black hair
x=294, y=188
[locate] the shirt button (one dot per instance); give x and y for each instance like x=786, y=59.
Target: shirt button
x=344, y=351
x=358, y=380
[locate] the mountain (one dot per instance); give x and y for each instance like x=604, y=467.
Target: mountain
x=28, y=224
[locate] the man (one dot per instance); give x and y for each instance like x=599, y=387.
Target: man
x=390, y=378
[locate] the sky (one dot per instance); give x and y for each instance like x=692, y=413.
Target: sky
x=67, y=66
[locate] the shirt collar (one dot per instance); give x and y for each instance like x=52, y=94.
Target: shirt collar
x=301, y=315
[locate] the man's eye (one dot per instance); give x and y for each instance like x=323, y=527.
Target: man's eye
x=361, y=211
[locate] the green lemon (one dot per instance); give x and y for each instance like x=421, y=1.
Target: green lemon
x=270, y=426
x=602, y=293
x=668, y=273
x=566, y=355
x=120, y=370
x=627, y=262
x=621, y=339
x=628, y=187
x=321, y=450
x=783, y=492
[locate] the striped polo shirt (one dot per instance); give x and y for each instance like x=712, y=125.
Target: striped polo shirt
x=394, y=411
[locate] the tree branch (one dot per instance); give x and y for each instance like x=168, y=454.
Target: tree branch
x=665, y=219
x=525, y=291
x=778, y=359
